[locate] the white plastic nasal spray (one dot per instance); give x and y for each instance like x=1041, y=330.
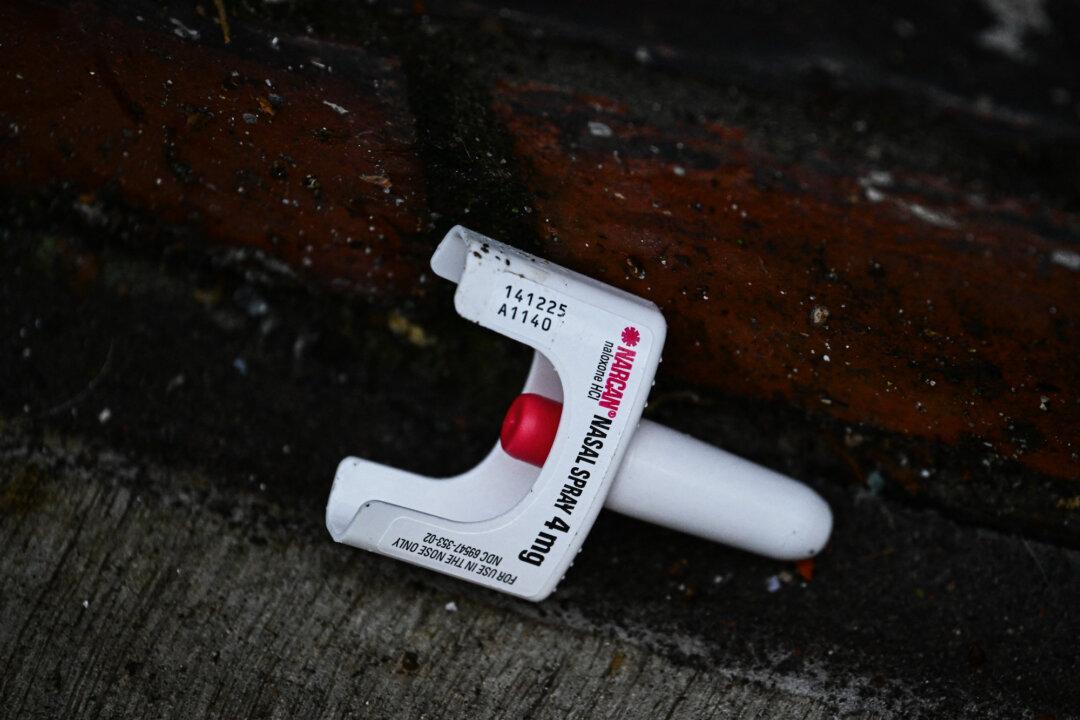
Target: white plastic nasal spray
x=572, y=442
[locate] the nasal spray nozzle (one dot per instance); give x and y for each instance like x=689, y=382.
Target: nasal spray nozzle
x=572, y=442
x=670, y=479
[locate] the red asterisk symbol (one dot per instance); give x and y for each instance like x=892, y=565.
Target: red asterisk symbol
x=630, y=336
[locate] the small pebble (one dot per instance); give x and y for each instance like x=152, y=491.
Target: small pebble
x=599, y=129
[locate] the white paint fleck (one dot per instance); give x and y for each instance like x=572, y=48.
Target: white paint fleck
x=679, y=170
x=104, y=415
x=1013, y=20
x=599, y=129
x=772, y=583
x=642, y=55
x=1066, y=259
x=335, y=107
x=85, y=604
x=872, y=181
x=878, y=178
x=931, y=216
x=183, y=31
x=450, y=607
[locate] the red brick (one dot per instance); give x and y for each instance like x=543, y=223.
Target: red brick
x=132, y=109
x=944, y=316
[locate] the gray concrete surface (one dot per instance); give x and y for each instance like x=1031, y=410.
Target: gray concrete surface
x=175, y=600
x=138, y=591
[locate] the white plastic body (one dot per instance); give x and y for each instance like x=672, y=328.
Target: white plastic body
x=515, y=528
x=506, y=524
x=671, y=479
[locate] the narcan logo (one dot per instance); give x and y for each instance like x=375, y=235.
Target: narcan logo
x=622, y=364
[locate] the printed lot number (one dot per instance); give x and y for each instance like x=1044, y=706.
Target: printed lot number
x=538, y=310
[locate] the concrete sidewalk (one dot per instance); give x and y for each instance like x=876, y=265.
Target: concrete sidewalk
x=136, y=590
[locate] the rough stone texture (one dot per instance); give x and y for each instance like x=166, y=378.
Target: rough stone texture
x=134, y=591
x=109, y=610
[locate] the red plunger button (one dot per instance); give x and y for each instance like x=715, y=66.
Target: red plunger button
x=528, y=430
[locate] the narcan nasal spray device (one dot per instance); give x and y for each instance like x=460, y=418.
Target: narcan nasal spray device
x=571, y=443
